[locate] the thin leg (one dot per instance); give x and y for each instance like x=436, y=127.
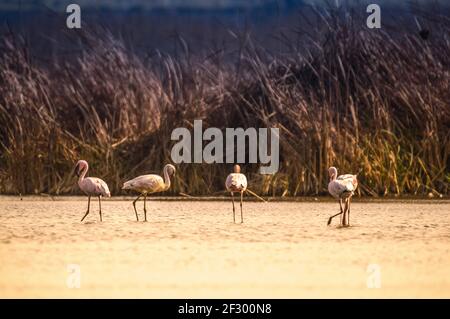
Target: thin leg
x=234, y=212
x=89, y=205
x=345, y=216
x=145, y=209
x=242, y=217
x=348, y=213
x=100, y=206
x=134, y=205
x=331, y=217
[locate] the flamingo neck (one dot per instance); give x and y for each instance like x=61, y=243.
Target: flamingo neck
x=166, y=179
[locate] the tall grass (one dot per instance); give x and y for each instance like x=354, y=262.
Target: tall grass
x=366, y=101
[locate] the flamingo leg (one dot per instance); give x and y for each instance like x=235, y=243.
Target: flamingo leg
x=343, y=212
x=345, y=216
x=100, y=207
x=331, y=217
x=242, y=217
x=134, y=205
x=145, y=209
x=89, y=205
x=234, y=212
x=348, y=213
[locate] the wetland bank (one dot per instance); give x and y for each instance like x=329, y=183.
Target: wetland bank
x=193, y=249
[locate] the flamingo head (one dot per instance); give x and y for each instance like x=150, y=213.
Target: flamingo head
x=81, y=166
x=236, y=168
x=332, y=171
x=170, y=169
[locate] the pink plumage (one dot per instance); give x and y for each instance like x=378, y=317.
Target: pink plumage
x=91, y=186
x=149, y=184
x=342, y=187
x=236, y=183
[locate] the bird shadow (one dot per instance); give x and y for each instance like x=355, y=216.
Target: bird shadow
x=344, y=227
x=90, y=222
x=237, y=224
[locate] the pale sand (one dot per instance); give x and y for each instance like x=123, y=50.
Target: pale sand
x=192, y=249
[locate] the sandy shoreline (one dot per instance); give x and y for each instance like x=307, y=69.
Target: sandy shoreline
x=193, y=250
x=226, y=197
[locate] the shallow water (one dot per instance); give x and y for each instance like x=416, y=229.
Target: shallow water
x=193, y=249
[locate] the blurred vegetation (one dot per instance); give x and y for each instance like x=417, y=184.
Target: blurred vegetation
x=366, y=101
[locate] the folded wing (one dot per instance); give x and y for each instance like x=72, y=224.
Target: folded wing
x=236, y=182
x=145, y=183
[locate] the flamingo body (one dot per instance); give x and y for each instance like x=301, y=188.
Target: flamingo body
x=148, y=184
x=342, y=188
x=236, y=183
x=91, y=186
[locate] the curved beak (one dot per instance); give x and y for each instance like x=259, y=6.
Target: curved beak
x=76, y=170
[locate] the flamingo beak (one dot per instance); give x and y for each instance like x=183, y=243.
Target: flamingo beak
x=77, y=170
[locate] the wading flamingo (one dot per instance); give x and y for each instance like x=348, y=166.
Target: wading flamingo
x=148, y=184
x=342, y=188
x=91, y=186
x=236, y=183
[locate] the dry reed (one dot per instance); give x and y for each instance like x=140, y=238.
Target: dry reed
x=364, y=101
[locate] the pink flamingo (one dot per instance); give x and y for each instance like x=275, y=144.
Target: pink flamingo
x=91, y=186
x=236, y=182
x=148, y=184
x=342, y=188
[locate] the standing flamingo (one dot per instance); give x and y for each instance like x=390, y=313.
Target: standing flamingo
x=91, y=186
x=236, y=183
x=342, y=188
x=148, y=184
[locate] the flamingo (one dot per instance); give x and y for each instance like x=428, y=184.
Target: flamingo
x=91, y=186
x=236, y=182
x=342, y=188
x=148, y=184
